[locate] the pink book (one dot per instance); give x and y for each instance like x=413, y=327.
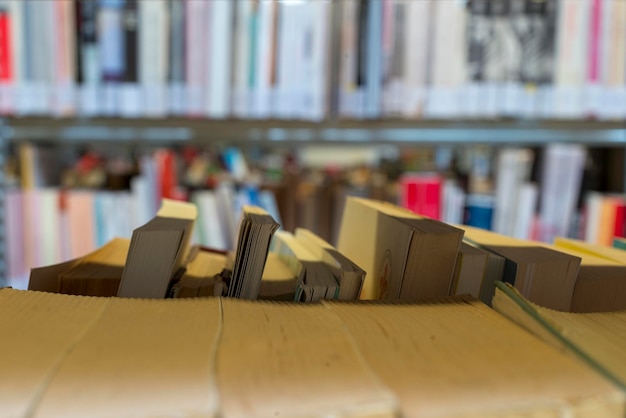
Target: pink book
x=15, y=261
x=595, y=35
x=81, y=222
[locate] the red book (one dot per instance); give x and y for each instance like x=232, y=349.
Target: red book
x=6, y=54
x=421, y=193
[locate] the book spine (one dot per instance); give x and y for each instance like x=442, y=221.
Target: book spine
x=593, y=97
x=219, y=81
x=88, y=51
x=374, y=67
x=411, y=59
x=112, y=53
x=177, y=59
x=349, y=57
x=195, y=18
x=130, y=94
x=153, y=56
x=6, y=58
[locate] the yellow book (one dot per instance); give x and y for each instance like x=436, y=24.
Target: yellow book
x=601, y=282
x=541, y=273
x=603, y=251
x=405, y=256
x=64, y=277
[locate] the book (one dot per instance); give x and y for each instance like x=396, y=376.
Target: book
x=201, y=272
x=542, y=274
x=46, y=278
x=349, y=276
x=256, y=228
x=469, y=271
x=424, y=352
x=404, y=255
x=315, y=280
x=595, y=339
x=600, y=285
x=279, y=282
x=158, y=250
x=96, y=274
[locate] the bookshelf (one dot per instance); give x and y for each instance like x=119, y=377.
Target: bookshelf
x=402, y=132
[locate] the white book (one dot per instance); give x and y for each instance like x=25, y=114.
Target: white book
x=195, y=20
x=526, y=211
x=571, y=64
x=513, y=171
x=263, y=60
x=285, y=77
x=220, y=50
x=176, y=60
x=153, y=55
x=317, y=71
x=416, y=55
x=242, y=50
x=448, y=60
x=562, y=171
x=211, y=228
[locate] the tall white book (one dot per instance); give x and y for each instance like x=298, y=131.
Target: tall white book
x=414, y=86
x=513, y=171
x=153, y=56
x=572, y=55
x=242, y=66
x=448, y=63
x=195, y=20
x=561, y=177
x=219, y=61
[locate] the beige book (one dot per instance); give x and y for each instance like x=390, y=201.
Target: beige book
x=597, y=339
x=200, y=274
x=112, y=254
x=404, y=255
x=139, y=358
x=278, y=281
x=540, y=272
x=602, y=251
x=459, y=358
x=293, y=360
x=471, y=266
x=349, y=276
x=37, y=330
x=601, y=282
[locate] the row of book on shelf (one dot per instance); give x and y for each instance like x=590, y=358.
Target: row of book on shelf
x=383, y=252
x=312, y=59
x=438, y=281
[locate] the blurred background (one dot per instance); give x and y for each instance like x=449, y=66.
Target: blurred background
x=503, y=114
